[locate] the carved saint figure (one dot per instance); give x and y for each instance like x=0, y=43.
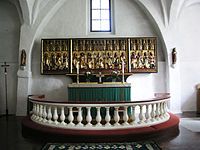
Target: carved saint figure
x=151, y=60
x=46, y=61
x=23, y=58
x=133, y=60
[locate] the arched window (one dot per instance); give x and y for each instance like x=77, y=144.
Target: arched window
x=100, y=15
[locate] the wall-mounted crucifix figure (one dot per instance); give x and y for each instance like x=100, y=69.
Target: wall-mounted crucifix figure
x=23, y=59
x=5, y=66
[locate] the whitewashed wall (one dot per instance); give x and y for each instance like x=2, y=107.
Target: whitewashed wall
x=70, y=21
x=9, y=43
x=175, y=22
x=189, y=55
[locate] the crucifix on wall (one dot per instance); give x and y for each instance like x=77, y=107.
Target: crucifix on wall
x=5, y=66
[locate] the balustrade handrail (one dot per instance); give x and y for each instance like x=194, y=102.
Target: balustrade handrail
x=41, y=98
x=103, y=115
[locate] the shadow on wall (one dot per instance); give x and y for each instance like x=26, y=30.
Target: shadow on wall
x=142, y=86
x=53, y=86
x=190, y=102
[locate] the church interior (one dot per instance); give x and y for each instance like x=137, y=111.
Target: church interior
x=64, y=68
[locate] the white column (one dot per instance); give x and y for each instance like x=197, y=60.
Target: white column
x=37, y=111
x=98, y=117
x=133, y=116
x=44, y=114
x=157, y=111
x=116, y=116
x=49, y=115
x=125, y=116
x=34, y=111
x=55, y=115
x=153, y=112
x=88, y=117
x=141, y=117
x=62, y=116
x=107, y=117
x=70, y=117
x=147, y=116
x=79, y=117
x=41, y=113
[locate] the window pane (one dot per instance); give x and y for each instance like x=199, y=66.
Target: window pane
x=96, y=25
x=104, y=4
x=95, y=4
x=105, y=25
x=96, y=14
x=105, y=14
x=100, y=15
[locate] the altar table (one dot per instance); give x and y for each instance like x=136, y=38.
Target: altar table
x=104, y=92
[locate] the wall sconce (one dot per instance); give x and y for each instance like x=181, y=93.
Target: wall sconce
x=23, y=59
x=174, y=57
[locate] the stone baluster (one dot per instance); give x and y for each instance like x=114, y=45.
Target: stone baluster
x=80, y=117
x=88, y=117
x=157, y=111
x=37, y=112
x=34, y=111
x=125, y=116
x=98, y=117
x=161, y=110
x=49, y=115
x=55, y=115
x=41, y=113
x=44, y=114
x=70, y=117
x=107, y=117
x=116, y=116
x=147, y=116
x=153, y=112
x=62, y=115
x=133, y=116
x=141, y=117
x=165, y=109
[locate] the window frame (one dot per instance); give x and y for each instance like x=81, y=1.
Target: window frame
x=110, y=18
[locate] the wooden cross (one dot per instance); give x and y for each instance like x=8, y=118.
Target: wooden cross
x=5, y=67
x=5, y=73
x=100, y=77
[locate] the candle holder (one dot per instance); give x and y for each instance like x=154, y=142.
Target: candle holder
x=77, y=73
x=122, y=71
x=123, y=78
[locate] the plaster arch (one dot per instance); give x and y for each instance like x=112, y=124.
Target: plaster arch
x=32, y=26
x=161, y=26
x=9, y=37
x=169, y=41
x=190, y=55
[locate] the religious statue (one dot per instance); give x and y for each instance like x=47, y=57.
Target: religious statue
x=23, y=59
x=151, y=60
x=65, y=61
x=46, y=61
x=145, y=60
x=174, y=58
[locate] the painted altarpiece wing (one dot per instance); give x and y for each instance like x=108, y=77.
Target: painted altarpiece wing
x=105, y=55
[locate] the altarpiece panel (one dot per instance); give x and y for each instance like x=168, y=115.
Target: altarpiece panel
x=94, y=55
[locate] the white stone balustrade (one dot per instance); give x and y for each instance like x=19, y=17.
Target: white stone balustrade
x=100, y=115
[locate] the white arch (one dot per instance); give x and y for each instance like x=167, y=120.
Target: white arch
x=29, y=32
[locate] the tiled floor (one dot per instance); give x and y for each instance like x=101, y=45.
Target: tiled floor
x=11, y=137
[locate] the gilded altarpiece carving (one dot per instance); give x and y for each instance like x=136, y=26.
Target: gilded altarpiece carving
x=55, y=56
x=105, y=55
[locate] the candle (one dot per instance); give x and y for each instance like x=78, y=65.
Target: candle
x=122, y=71
x=123, y=66
x=77, y=67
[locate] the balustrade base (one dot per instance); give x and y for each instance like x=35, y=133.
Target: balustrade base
x=40, y=132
